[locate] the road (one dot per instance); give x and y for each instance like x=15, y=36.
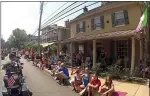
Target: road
x=42, y=84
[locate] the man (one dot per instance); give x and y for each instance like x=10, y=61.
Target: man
x=62, y=74
x=56, y=67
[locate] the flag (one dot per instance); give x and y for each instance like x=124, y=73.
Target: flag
x=11, y=80
x=143, y=21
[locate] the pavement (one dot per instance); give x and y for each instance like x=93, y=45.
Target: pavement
x=131, y=89
x=41, y=83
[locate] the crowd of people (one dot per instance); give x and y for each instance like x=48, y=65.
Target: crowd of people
x=83, y=82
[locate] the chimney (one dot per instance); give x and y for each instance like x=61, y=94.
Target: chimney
x=66, y=23
x=85, y=9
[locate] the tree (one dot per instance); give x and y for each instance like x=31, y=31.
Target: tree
x=18, y=38
x=2, y=43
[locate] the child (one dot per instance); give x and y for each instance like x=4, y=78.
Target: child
x=86, y=77
x=107, y=88
x=94, y=84
x=77, y=81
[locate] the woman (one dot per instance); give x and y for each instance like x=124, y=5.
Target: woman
x=77, y=81
x=107, y=88
x=85, y=79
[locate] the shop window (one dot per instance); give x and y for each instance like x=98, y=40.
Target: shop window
x=121, y=48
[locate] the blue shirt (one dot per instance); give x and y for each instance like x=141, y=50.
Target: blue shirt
x=86, y=79
x=65, y=70
x=54, y=60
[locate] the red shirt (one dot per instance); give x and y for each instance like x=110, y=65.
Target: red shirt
x=95, y=82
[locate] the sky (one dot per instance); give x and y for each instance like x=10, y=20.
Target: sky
x=25, y=15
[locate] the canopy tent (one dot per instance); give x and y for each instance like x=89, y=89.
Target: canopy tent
x=46, y=44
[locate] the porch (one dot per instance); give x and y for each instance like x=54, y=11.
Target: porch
x=117, y=45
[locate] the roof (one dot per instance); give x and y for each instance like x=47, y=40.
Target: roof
x=101, y=9
x=106, y=35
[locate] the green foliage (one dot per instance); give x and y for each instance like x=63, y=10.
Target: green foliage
x=120, y=74
x=18, y=38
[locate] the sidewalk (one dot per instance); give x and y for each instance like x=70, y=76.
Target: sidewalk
x=131, y=89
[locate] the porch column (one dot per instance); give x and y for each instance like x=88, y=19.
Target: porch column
x=94, y=52
x=58, y=50
x=141, y=49
x=71, y=53
x=133, y=55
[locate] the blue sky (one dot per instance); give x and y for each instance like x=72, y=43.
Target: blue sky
x=25, y=15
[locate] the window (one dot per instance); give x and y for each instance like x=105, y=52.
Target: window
x=121, y=48
x=120, y=18
x=80, y=27
x=97, y=22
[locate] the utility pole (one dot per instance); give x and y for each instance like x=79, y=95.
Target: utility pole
x=39, y=31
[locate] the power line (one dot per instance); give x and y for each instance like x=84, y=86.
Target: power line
x=57, y=13
x=62, y=14
x=72, y=13
x=54, y=12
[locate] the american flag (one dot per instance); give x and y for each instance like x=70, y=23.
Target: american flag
x=11, y=80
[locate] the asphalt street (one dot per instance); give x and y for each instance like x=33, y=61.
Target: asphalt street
x=41, y=83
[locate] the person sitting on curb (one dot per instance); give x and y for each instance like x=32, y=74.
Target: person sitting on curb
x=78, y=68
x=86, y=77
x=56, y=67
x=77, y=80
x=94, y=85
x=45, y=62
x=107, y=88
x=62, y=74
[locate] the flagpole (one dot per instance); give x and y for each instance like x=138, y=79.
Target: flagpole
x=145, y=57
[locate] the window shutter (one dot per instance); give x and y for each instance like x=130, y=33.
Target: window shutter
x=113, y=19
x=126, y=17
x=84, y=26
x=92, y=24
x=77, y=28
x=102, y=22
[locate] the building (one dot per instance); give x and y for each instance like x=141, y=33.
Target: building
x=110, y=27
x=64, y=34
x=33, y=39
x=49, y=34
x=52, y=34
